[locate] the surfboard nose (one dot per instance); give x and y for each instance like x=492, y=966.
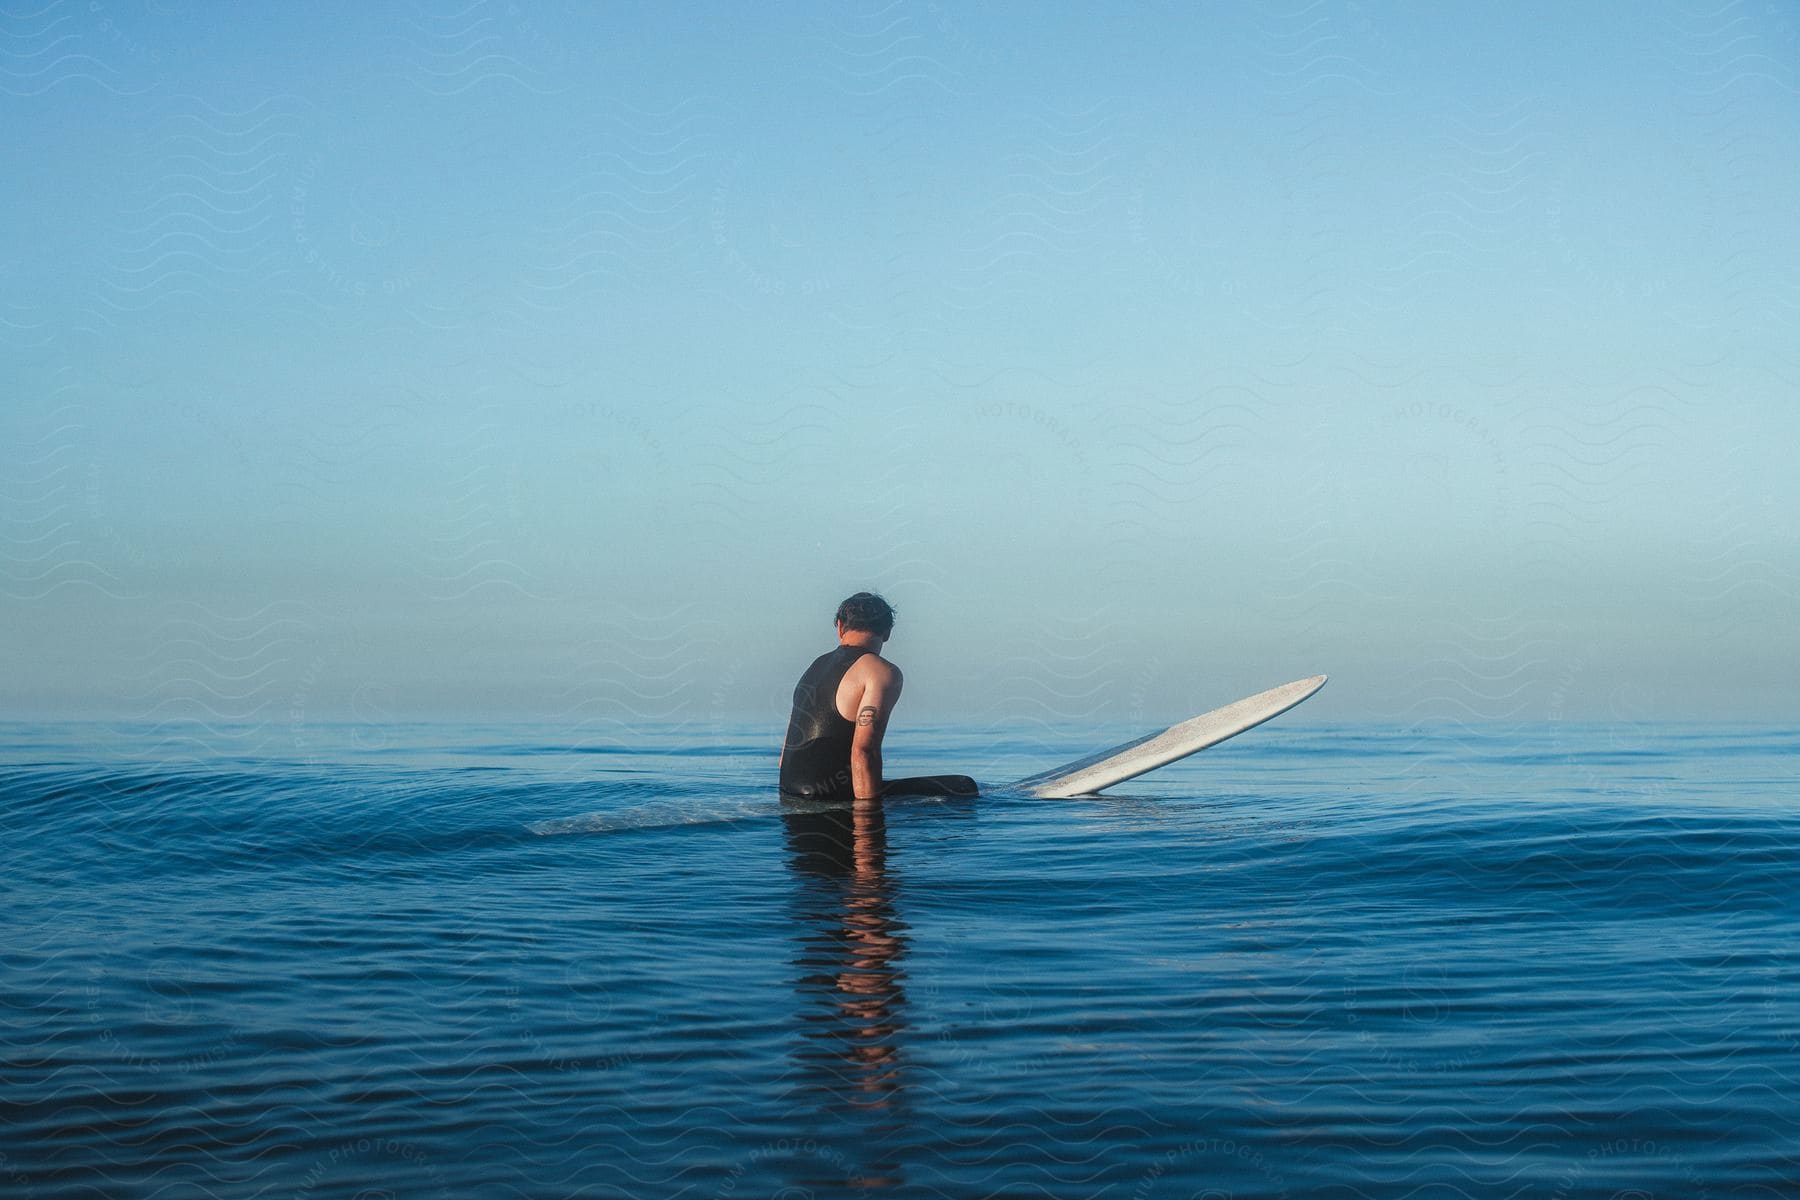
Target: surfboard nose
x=1087, y=775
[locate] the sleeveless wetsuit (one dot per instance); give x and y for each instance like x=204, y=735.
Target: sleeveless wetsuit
x=815, y=760
x=816, y=755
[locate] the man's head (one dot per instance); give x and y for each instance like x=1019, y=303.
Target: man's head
x=868, y=612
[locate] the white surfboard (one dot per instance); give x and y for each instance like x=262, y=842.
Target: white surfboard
x=1086, y=776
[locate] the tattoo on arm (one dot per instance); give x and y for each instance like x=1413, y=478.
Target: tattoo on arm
x=865, y=715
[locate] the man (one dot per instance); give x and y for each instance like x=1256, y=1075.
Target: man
x=841, y=707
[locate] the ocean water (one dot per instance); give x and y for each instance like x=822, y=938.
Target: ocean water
x=512, y=960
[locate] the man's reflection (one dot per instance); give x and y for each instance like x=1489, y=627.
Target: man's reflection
x=851, y=980
x=852, y=947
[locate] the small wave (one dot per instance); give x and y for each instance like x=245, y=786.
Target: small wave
x=657, y=817
x=714, y=812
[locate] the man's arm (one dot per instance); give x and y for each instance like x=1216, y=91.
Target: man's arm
x=880, y=693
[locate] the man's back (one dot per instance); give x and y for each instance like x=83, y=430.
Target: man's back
x=815, y=760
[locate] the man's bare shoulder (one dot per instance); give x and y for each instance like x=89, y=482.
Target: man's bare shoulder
x=873, y=667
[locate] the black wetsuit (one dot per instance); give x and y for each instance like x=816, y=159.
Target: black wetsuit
x=815, y=761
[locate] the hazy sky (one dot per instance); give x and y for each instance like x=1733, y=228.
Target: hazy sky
x=573, y=361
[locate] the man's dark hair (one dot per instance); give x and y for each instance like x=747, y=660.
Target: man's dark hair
x=869, y=612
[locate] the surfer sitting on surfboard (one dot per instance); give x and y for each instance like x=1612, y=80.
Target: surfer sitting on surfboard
x=841, y=707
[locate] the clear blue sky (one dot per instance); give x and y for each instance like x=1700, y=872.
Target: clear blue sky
x=568, y=361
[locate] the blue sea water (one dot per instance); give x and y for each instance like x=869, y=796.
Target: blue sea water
x=506, y=960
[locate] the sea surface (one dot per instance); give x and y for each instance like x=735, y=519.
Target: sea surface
x=522, y=961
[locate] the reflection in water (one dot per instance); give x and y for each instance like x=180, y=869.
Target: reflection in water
x=851, y=981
